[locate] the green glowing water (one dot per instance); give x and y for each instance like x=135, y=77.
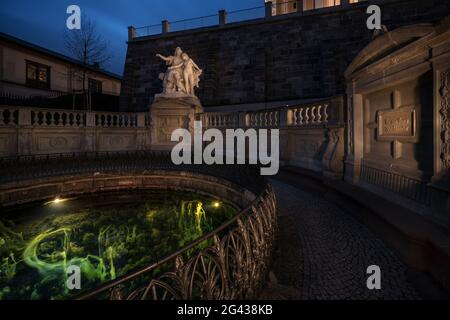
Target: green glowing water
x=105, y=235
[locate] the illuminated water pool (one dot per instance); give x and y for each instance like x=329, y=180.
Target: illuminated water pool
x=106, y=235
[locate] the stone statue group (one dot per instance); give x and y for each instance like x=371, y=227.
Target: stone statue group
x=182, y=75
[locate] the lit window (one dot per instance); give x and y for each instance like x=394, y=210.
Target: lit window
x=38, y=75
x=317, y=4
x=31, y=71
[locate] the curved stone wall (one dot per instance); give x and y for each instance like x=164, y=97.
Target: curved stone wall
x=65, y=186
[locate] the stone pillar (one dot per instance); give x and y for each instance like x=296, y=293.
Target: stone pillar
x=358, y=134
x=141, y=120
x=337, y=110
x=355, y=127
x=285, y=117
x=131, y=33
x=222, y=18
x=90, y=119
x=89, y=141
x=440, y=186
x=141, y=131
x=25, y=137
x=24, y=117
x=165, y=26
x=268, y=9
x=169, y=113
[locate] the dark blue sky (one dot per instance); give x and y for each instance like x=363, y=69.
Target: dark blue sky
x=43, y=22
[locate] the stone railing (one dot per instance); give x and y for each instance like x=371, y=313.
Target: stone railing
x=311, y=134
x=221, y=120
x=32, y=131
x=308, y=115
x=53, y=118
x=9, y=116
x=319, y=114
x=263, y=119
x=116, y=120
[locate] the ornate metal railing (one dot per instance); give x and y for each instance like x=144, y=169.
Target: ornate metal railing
x=14, y=169
x=413, y=189
x=233, y=266
x=230, y=262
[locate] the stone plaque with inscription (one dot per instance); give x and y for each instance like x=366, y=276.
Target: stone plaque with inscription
x=397, y=125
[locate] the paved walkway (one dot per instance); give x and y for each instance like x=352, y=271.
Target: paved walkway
x=323, y=253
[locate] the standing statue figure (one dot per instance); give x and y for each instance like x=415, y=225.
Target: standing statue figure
x=191, y=74
x=172, y=80
x=182, y=75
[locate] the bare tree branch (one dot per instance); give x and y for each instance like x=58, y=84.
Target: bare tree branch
x=86, y=46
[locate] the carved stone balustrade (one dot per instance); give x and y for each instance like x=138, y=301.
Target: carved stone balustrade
x=31, y=131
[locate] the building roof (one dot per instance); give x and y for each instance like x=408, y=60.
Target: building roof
x=53, y=54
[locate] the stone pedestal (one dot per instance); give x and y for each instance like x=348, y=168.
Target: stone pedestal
x=170, y=112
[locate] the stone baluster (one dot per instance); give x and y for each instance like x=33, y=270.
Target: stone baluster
x=319, y=114
x=248, y=120
x=325, y=113
x=307, y=116
x=313, y=115
x=300, y=116
x=291, y=117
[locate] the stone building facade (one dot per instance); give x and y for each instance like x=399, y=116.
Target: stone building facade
x=27, y=70
x=298, y=56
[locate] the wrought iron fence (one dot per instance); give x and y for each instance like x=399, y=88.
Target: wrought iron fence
x=233, y=266
x=246, y=14
x=13, y=169
x=231, y=262
x=413, y=189
x=148, y=30
x=200, y=22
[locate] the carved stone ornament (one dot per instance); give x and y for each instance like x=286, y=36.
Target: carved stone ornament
x=445, y=120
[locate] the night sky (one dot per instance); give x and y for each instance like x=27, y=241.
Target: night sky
x=43, y=22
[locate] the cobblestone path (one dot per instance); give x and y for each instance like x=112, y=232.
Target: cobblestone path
x=323, y=253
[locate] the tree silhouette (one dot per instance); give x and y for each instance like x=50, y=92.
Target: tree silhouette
x=88, y=47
